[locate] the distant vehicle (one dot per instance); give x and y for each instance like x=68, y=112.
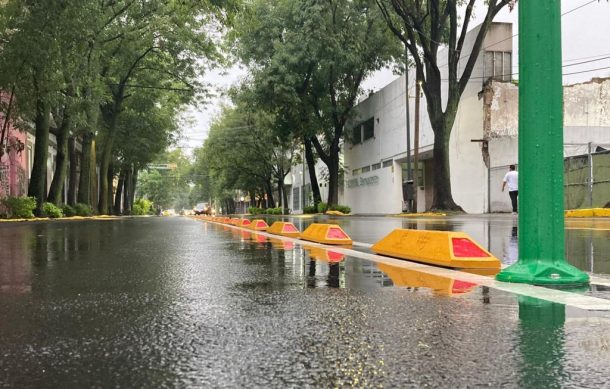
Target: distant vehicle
x=202, y=209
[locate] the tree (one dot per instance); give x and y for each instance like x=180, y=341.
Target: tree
x=167, y=187
x=38, y=42
x=145, y=128
x=165, y=39
x=310, y=58
x=425, y=27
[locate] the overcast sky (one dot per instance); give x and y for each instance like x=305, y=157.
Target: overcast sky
x=585, y=34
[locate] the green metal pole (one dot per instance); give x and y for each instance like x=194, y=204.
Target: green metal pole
x=541, y=213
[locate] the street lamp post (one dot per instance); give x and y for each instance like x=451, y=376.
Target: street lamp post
x=407, y=186
x=541, y=192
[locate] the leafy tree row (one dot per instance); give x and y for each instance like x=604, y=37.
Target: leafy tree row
x=111, y=75
x=308, y=59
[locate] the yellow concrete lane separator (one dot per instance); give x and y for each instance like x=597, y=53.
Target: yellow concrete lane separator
x=331, y=234
x=258, y=225
x=441, y=248
x=244, y=223
x=284, y=229
x=576, y=300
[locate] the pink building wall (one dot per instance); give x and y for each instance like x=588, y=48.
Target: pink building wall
x=13, y=159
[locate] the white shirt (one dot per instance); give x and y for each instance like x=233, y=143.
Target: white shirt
x=512, y=180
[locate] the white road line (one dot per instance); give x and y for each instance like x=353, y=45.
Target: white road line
x=557, y=296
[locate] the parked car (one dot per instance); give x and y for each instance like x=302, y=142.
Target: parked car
x=202, y=209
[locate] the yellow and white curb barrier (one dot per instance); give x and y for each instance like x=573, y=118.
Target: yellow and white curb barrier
x=284, y=229
x=441, y=248
x=258, y=225
x=326, y=233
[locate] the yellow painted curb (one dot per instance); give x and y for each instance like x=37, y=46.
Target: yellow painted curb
x=34, y=219
x=326, y=233
x=284, y=229
x=441, y=248
x=422, y=214
x=589, y=212
x=336, y=213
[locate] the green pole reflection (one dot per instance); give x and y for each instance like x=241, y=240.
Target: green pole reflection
x=541, y=343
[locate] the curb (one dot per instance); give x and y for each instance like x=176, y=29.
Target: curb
x=588, y=212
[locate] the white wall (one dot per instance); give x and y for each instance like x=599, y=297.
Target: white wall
x=375, y=192
x=387, y=106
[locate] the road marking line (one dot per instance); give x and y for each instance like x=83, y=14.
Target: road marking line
x=554, y=295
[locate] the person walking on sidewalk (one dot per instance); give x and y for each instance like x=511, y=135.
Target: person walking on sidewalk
x=512, y=180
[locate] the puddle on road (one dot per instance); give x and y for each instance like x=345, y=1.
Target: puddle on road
x=203, y=305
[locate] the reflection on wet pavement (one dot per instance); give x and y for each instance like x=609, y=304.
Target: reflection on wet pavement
x=172, y=302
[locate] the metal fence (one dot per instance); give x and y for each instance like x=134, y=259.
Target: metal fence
x=587, y=179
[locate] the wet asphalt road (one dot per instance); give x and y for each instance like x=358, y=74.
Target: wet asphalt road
x=174, y=302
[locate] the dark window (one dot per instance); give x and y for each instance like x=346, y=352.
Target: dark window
x=356, y=135
x=498, y=65
x=387, y=163
x=366, y=169
x=368, y=129
x=377, y=166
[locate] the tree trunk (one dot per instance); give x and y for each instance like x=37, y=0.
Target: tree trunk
x=311, y=167
x=105, y=160
x=119, y=191
x=37, y=187
x=285, y=196
x=127, y=191
x=109, y=180
x=61, y=163
x=110, y=118
x=132, y=186
x=84, y=184
x=333, y=179
x=270, y=198
x=443, y=198
x=73, y=173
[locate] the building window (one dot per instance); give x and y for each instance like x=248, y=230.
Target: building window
x=355, y=172
x=363, y=131
x=368, y=129
x=356, y=135
x=366, y=169
x=307, y=195
x=387, y=163
x=498, y=65
x=420, y=174
x=296, y=198
x=376, y=166
x=30, y=161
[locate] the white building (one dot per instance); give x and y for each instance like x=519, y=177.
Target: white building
x=375, y=165
x=483, y=140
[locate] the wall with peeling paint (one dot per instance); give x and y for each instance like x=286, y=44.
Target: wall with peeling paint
x=586, y=120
